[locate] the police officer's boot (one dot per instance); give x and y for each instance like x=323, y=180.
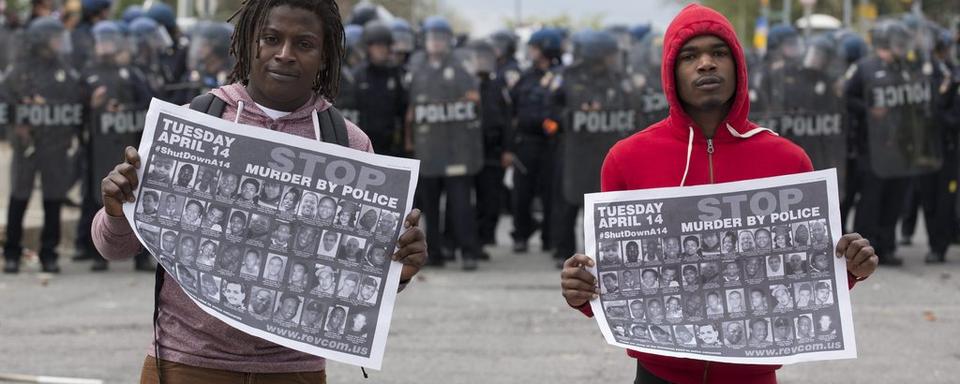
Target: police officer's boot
x=11, y=265
x=935, y=258
x=469, y=262
x=141, y=262
x=890, y=260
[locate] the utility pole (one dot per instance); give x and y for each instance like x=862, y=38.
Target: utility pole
x=518, y=8
x=847, y=13
x=787, y=9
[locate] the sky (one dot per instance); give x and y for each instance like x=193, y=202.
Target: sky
x=488, y=15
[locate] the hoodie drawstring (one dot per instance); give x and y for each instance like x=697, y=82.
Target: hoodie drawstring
x=316, y=124
x=750, y=133
x=236, y=119
x=733, y=132
x=686, y=168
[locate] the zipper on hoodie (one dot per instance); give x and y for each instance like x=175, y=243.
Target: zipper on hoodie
x=710, y=150
x=706, y=370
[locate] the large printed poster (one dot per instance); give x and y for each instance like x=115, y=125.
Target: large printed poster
x=284, y=238
x=742, y=272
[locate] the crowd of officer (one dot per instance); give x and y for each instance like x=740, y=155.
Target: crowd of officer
x=495, y=135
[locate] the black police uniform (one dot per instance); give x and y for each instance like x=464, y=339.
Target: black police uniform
x=534, y=151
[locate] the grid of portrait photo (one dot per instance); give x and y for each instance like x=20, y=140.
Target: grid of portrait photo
x=722, y=292
x=266, y=252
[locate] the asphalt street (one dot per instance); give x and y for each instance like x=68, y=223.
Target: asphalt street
x=506, y=323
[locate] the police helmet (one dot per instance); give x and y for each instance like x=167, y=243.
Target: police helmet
x=46, y=26
x=852, y=47
x=130, y=13
x=377, y=32
x=597, y=45
x=437, y=24
x=779, y=34
x=549, y=41
x=143, y=25
x=639, y=32
x=890, y=33
x=402, y=35
x=107, y=27
x=484, y=56
x=821, y=52
x=363, y=13
x=93, y=7
x=353, y=34
x=505, y=42
x=163, y=14
x=42, y=30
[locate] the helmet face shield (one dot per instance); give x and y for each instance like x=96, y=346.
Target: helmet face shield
x=438, y=42
x=403, y=41
x=793, y=48
x=113, y=46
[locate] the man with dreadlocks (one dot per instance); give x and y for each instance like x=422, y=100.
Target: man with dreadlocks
x=287, y=68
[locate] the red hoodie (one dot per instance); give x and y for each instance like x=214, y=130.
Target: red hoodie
x=675, y=152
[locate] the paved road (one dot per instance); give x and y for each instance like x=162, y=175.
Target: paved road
x=506, y=323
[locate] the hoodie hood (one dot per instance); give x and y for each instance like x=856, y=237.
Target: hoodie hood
x=693, y=21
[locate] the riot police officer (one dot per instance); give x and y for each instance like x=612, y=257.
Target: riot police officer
x=92, y=11
x=173, y=59
x=595, y=103
x=48, y=116
x=532, y=146
x=404, y=42
x=444, y=132
x=150, y=40
x=508, y=69
x=381, y=95
x=495, y=107
x=117, y=96
x=852, y=49
x=936, y=193
x=890, y=97
x=208, y=60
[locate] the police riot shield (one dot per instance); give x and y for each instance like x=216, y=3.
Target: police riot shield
x=643, y=67
x=117, y=97
x=904, y=138
x=113, y=123
x=447, y=134
x=804, y=104
x=346, y=101
x=46, y=117
x=600, y=110
x=208, y=60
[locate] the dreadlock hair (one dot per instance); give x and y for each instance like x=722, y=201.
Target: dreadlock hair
x=251, y=18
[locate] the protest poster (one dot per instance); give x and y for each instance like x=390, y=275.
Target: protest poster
x=742, y=272
x=281, y=237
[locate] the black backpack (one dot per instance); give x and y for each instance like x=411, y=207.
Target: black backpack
x=333, y=128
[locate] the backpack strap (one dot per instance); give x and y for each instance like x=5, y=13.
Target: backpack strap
x=333, y=127
x=209, y=104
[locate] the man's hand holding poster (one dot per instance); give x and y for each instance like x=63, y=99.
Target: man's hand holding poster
x=743, y=272
x=280, y=237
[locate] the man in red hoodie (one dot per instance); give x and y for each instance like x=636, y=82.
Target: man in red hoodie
x=706, y=139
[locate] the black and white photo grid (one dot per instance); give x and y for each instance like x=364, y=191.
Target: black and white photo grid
x=742, y=272
x=281, y=237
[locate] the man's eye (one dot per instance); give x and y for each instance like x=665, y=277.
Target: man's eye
x=270, y=39
x=720, y=53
